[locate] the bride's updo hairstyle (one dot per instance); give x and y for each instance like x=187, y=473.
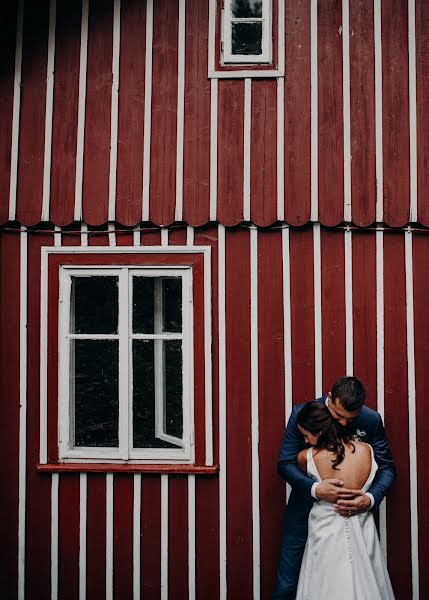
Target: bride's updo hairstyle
x=316, y=418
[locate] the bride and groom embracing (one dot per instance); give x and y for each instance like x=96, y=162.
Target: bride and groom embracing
x=336, y=457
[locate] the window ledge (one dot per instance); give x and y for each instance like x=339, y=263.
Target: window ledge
x=179, y=469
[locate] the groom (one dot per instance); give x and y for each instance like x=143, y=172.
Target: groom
x=346, y=405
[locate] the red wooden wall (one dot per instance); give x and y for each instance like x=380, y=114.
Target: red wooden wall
x=93, y=99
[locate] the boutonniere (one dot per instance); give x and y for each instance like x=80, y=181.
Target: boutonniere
x=359, y=435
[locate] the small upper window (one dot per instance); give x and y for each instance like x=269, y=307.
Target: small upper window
x=246, y=38
x=247, y=35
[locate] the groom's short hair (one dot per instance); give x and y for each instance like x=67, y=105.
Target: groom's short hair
x=350, y=392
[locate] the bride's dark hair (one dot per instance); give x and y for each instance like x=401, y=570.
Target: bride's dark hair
x=316, y=418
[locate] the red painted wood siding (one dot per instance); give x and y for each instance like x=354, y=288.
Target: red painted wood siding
x=214, y=180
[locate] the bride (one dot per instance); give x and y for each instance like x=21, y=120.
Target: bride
x=342, y=557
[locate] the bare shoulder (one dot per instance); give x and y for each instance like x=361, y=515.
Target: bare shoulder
x=362, y=449
x=301, y=459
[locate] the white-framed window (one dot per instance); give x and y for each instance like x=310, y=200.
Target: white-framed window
x=246, y=38
x=125, y=364
x=246, y=32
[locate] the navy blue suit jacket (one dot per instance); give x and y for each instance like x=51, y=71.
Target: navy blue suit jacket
x=368, y=426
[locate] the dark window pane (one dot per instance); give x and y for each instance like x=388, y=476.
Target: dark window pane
x=94, y=304
x=172, y=304
x=144, y=396
x=173, y=388
x=243, y=9
x=247, y=38
x=96, y=393
x=143, y=304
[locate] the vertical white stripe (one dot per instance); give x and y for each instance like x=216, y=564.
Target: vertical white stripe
x=57, y=236
x=314, y=114
x=246, y=153
x=281, y=39
x=164, y=237
x=413, y=107
x=147, y=110
x=346, y=113
x=380, y=359
x=23, y=317
x=16, y=112
x=287, y=331
x=136, y=235
x=222, y=412
x=114, y=108
x=348, y=276
x=254, y=382
x=81, y=111
x=180, y=108
x=378, y=112
x=54, y=535
x=43, y=416
x=84, y=234
x=318, y=384
x=412, y=414
x=164, y=537
x=189, y=236
x=50, y=77
x=111, y=234
x=280, y=149
x=82, y=535
x=191, y=536
x=136, y=534
x=213, y=147
x=109, y=536
x=212, y=26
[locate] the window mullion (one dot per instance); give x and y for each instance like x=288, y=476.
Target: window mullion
x=123, y=364
x=159, y=377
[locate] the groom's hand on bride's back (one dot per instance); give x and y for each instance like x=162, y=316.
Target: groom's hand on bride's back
x=333, y=490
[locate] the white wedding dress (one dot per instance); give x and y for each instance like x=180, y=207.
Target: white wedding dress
x=342, y=559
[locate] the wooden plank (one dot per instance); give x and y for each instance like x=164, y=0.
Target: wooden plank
x=396, y=129
x=7, y=52
x=151, y=537
x=38, y=501
x=196, y=175
x=396, y=414
x=129, y=184
x=9, y=411
x=330, y=89
x=164, y=113
x=178, y=536
x=263, y=155
x=421, y=329
x=238, y=418
x=207, y=490
x=302, y=314
x=297, y=114
x=68, y=537
x=96, y=537
x=271, y=404
x=123, y=494
x=64, y=127
x=32, y=117
x=333, y=307
x=362, y=112
x=96, y=160
x=422, y=76
x=230, y=151
x=364, y=314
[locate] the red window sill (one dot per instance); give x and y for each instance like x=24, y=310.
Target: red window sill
x=182, y=469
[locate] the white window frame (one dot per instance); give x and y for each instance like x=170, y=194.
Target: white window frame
x=265, y=57
x=125, y=452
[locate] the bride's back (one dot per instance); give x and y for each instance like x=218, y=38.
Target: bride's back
x=353, y=470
